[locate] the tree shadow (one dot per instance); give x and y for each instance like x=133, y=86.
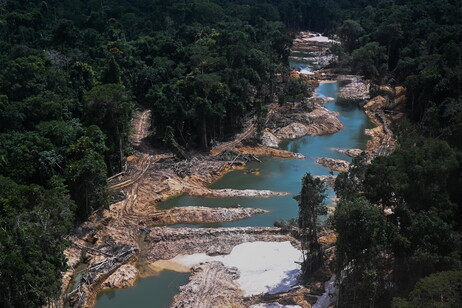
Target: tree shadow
x=291, y=278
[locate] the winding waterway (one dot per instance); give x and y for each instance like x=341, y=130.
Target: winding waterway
x=272, y=174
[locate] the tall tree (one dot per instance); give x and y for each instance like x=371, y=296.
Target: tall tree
x=349, y=185
x=110, y=107
x=311, y=206
x=112, y=73
x=33, y=221
x=86, y=172
x=370, y=61
x=360, y=254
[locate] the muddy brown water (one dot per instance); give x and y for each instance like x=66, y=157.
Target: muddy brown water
x=272, y=174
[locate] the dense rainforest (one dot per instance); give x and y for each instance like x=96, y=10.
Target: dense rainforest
x=73, y=72
x=411, y=255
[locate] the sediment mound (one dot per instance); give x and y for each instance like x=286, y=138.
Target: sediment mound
x=293, y=131
x=210, y=285
x=166, y=243
x=352, y=89
x=83, y=293
x=269, y=152
x=349, y=152
x=316, y=49
x=383, y=110
x=292, y=123
x=197, y=214
x=198, y=191
x=124, y=277
x=329, y=180
x=273, y=268
x=269, y=139
x=324, y=121
x=333, y=164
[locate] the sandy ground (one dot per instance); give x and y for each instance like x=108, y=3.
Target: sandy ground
x=272, y=267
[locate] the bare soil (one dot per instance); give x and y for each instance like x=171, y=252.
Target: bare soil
x=211, y=285
x=333, y=164
x=303, y=119
x=163, y=243
x=384, y=110
x=349, y=152
x=197, y=214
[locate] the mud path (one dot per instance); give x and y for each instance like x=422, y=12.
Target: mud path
x=210, y=278
x=140, y=123
x=249, y=131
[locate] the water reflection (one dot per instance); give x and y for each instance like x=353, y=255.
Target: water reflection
x=153, y=292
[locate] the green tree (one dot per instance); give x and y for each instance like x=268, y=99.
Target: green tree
x=361, y=252
x=33, y=223
x=65, y=33
x=311, y=206
x=418, y=174
x=24, y=154
x=110, y=107
x=441, y=289
x=350, y=32
x=349, y=184
x=295, y=91
x=23, y=77
x=42, y=107
x=86, y=173
x=390, y=35
x=82, y=77
x=207, y=94
x=112, y=73
x=11, y=114
x=370, y=61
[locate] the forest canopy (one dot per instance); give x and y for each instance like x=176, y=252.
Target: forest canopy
x=73, y=72
x=399, y=220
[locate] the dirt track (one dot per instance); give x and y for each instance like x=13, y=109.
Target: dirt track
x=249, y=131
x=211, y=285
x=141, y=124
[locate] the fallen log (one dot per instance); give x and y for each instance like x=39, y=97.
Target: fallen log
x=92, y=249
x=98, y=272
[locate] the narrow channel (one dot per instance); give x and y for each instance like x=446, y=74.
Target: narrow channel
x=271, y=174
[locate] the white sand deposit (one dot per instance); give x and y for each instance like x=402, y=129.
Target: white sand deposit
x=306, y=72
x=319, y=38
x=326, y=299
x=265, y=267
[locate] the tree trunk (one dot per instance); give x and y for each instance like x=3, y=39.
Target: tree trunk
x=204, y=142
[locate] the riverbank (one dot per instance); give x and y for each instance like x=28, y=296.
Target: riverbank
x=152, y=178
x=385, y=106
